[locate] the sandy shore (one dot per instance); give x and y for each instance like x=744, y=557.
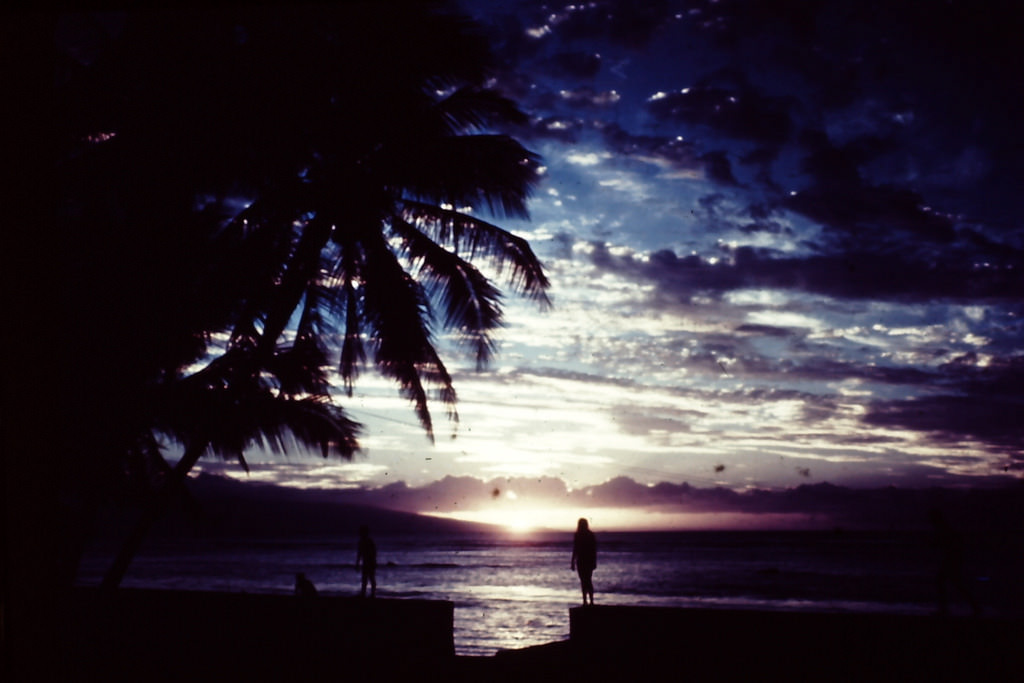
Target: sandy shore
x=176, y=636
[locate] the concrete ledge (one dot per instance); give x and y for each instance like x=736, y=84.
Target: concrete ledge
x=199, y=636
x=725, y=644
x=206, y=635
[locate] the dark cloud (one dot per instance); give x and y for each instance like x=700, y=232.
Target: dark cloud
x=935, y=94
x=979, y=404
x=992, y=420
x=582, y=65
x=452, y=494
x=621, y=22
x=871, y=212
x=764, y=330
x=838, y=196
x=718, y=167
x=840, y=506
x=813, y=365
x=864, y=274
x=730, y=21
x=674, y=151
x=763, y=157
x=822, y=368
x=736, y=110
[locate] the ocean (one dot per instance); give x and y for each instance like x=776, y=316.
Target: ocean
x=514, y=591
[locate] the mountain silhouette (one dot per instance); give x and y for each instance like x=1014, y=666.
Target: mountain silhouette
x=220, y=506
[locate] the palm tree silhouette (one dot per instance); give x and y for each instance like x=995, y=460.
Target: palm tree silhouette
x=363, y=146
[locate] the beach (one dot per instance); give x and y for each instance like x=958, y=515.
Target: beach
x=147, y=635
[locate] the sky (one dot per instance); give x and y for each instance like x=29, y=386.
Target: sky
x=785, y=246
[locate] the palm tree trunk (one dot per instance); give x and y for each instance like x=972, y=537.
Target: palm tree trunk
x=158, y=505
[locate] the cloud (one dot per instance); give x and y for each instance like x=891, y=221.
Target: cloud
x=581, y=65
x=588, y=98
x=838, y=196
x=855, y=274
x=585, y=159
x=453, y=494
x=621, y=22
x=645, y=420
x=564, y=129
x=673, y=152
x=735, y=109
x=718, y=167
x=764, y=330
x=987, y=410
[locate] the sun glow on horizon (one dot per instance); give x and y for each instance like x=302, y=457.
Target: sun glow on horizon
x=528, y=519
x=513, y=518
x=532, y=519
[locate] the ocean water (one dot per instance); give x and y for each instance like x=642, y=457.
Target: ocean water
x=515, y=591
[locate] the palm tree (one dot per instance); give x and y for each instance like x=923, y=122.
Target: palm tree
x=224, y=409
x=361, y=235
x=383, y=222
x=378, y=269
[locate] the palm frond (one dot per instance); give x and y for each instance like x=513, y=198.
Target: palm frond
x=300, y=369
x=254, y=247
x=344, y=268
x=232, y=404
x=470, y=300
x=300, y=272
x=353, y=353
x=470, y=110
x=276, y=423
x=396, y=313
x=487, y=172
x=478, y=238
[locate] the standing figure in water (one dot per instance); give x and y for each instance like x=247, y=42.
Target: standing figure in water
x=584, y=558
x=366, y=557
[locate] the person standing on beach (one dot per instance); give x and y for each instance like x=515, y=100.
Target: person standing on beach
x=366, y=559
x=304, y=588
x=584, y=558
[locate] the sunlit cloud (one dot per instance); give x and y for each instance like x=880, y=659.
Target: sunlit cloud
x=585, y=159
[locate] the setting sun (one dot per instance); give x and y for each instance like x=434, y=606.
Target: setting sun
x=519, y=526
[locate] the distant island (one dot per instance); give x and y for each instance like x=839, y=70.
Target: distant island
x=219, y=506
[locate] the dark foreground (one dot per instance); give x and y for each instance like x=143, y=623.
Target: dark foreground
x=194, y=636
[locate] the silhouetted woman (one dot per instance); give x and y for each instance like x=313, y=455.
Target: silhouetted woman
x=584, y=558
x=366, y=559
